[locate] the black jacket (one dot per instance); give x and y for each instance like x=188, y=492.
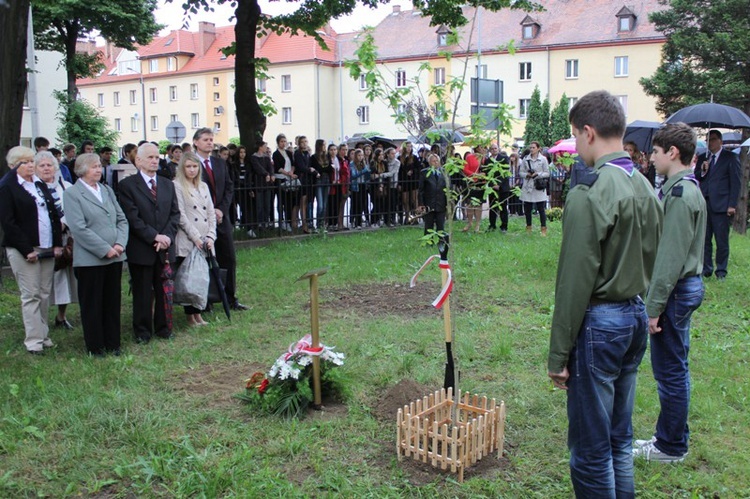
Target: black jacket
x=432, y=190
x=18, y=210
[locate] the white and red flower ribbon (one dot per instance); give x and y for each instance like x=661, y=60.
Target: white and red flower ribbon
x=447, y=287
x=304, y=346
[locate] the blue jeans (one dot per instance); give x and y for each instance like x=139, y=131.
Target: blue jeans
x=601, y=390
x=321, y=197
x=669, y=360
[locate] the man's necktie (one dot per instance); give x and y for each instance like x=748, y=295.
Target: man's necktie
x=153, y=188
x=211, y=180
x=661, y=194
x=713, y=161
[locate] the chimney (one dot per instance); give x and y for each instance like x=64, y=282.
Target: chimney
x=396, y=9
x=206, y=35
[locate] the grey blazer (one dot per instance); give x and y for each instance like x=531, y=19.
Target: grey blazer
x=96, y=227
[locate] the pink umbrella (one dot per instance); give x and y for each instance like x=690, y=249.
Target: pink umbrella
x=567, y=145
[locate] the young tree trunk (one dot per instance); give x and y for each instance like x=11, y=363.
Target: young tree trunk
x=14, y=23
x=251, y=121
x=72, y=30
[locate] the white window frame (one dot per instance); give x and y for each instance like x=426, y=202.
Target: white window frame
x=154, y=123
x=134, y=124
x=623, y=100
x=153, y=96
x=153, y=65
x=442, y=39
x=170, y=63
x=217, y=126
x=99, y=100
x=572, y=102
x=523, y=108
x=193, y=91
x=481, y=69
x=622, y=64
x=118, y=125
x=172, y=117
x=628, y=24
x=439, y=76
x=116, y=98
x=133, y=97
x=217, y=96
x=216, y=81
x=524, y=71
x=528, y=32
x=363, y=82
x=286, y=83
x=195, y=120
x=286, y=115
x=364, y=115
x=261, y=84
x=571, y=69
x=173, y=93
x=400, y=78
x=401, y=109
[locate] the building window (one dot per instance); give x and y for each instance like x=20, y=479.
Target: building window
x=100, y=100
x=216, y=81
x=624, y=24
x=524, y=71
x=217, y=126
x=523, y=108
x=154, y=123
x=623, y=102
x=153, y=66
x=152, y=95
x=133, y=124
x=364, y=114
x=118, y=125
x=481, y=71
x=260, y=85
x=442, y=39
x=621, y=66
x=116, y=98
x=439, y=110
x=173, y=93
x=401, y=109
x=193, y=91
x=400, y=78
x=170, y=63
x=439, y=76
x=286, y=115
x=286, y=83
x=528, y=32
x=195, y=120
x=572, y=102
x=218, y=111
x=172, y=118
x=362, y=82
x=133, y=98
x=571, y=68
x=217, y=96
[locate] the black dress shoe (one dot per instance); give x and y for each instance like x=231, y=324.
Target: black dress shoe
x=167, y=336
x=36, y=352
x=63, y=324
x=116, y=352
x=142, y=340
x=721, y=277
x=239, y=306
x=707, y=274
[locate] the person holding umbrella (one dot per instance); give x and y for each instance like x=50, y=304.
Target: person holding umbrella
x=150, y=205
x=720, y=177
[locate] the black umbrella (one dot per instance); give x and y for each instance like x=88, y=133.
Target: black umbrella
x=641, y=132
x=215, y=270
x=438, y=135
x=710, y=115
x=383, y=142
x=357, y=139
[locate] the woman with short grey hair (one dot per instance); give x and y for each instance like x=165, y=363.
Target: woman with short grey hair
x=64, y=284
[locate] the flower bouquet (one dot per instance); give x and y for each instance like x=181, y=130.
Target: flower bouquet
x=286, y=390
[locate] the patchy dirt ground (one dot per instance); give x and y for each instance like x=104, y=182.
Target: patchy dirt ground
x=385, y=298
x=396, y=397
x=215, y=384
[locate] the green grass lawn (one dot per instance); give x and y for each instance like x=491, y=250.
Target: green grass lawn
x=160, y=421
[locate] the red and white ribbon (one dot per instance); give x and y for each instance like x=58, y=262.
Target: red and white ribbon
x=447, y=287
x=304, y=346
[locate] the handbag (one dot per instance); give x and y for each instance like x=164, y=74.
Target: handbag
x=291, y=184
x=192, y=281
x=541, y=184
x=65, y=259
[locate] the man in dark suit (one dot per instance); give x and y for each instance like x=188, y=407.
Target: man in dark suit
x=150, y=205
x=431, y=195
x=719, y=174
x=501, y=191
x=216, y=175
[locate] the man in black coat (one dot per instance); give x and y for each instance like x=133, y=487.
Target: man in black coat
x=150, y=205
x=720, y=177
x=431, y=194
x=501, y=191
x=216, y=175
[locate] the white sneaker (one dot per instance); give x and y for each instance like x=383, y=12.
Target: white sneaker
x=650, y=453
x=251, y=234
x=641, y=443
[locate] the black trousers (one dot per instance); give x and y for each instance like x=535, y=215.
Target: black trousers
x=226, y=257
x=502, y=200
x=148, y=292
x=717, y=227
x=99, y=295
x=541, y=207
x=434, y=220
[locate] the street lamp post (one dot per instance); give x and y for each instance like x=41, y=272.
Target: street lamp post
x=143, y=100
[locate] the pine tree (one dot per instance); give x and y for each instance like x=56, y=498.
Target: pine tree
x=559, y=126
x=536, y=122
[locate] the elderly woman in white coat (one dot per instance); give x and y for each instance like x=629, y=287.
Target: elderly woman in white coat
x=64, y=283
x=100, y=235
x=534, y=166
x=197, y=228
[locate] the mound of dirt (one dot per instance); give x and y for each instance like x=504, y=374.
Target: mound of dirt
x=385, y=298
x=396, y=397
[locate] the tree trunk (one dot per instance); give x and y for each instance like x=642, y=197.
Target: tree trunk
x=251, y=121
x=72, y=29
x=740, y=216
x=14, y=23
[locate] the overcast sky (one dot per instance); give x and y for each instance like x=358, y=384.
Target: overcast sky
x=172, y=15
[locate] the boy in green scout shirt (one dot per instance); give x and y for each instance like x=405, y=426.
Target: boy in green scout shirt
x=611, y=226
x=676, y=291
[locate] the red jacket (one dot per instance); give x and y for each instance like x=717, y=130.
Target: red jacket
x=344, y=178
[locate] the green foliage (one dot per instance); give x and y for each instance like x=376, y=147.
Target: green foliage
x=705, y=55
x=79, y=121
x=559, y=127
x=554, y=214
x=537, y=121
x=235, y=141
x=163, y=144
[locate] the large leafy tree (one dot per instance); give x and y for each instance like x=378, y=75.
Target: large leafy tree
x=58, y=24
x=537, y=121
x=705, y=58
x=559, y=127
x=14, y=20
x=80, y=120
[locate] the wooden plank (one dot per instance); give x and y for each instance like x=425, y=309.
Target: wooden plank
x=454, y=449
x=501, y=430
x=444, y=438
x=399, y=421
x=434, y=444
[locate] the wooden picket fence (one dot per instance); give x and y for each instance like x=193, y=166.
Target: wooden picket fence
x=427, y=431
